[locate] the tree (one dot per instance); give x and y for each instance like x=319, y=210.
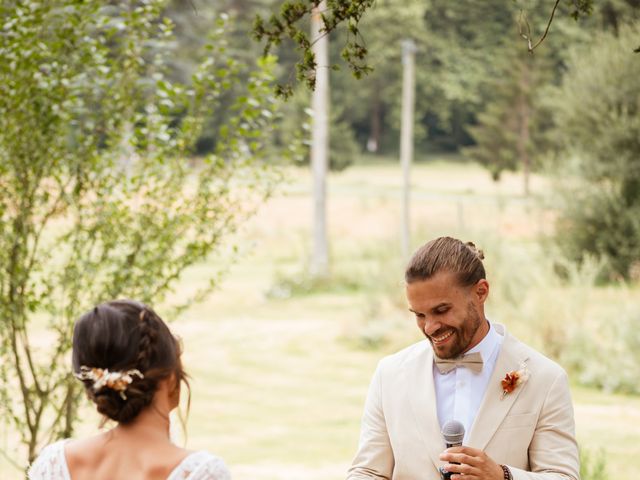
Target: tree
x=460, y=46
x=374, y=101
x=598, y=123
x=320, y=148
x=290, y=23
x=287, y=24
x=97, y=197
x=509, y=131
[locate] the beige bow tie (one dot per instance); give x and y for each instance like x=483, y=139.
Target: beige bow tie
x=473, y=361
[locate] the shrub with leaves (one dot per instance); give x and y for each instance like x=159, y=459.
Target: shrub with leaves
x=596, y=111
x=98, y=197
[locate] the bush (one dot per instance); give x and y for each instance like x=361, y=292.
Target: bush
x=598, y=131
x=607, y=357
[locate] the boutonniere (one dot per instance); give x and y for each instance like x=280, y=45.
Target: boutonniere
x=514, y=379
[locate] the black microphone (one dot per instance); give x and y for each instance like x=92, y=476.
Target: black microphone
x=453, y=433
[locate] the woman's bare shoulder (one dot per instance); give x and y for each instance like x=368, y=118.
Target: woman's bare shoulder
x=80, y=447
x=104, y=452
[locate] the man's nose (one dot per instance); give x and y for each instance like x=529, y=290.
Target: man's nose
x=431, y=326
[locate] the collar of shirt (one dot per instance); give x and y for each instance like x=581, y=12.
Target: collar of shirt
x=460, y=392
x=488, y=344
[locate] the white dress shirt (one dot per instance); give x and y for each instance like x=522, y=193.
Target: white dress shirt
x=460, y=391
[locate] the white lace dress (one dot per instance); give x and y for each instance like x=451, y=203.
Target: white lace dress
x=52, y=465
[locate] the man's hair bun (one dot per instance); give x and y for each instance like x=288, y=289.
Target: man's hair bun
x=446, y=254
x=479, y=252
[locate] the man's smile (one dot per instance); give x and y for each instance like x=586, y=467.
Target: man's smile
x=442, y=338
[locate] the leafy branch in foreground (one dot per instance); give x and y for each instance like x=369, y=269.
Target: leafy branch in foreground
x=291, y=23
x=99, y=196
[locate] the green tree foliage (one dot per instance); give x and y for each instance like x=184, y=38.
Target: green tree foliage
x=463, y=46
x=613, y=14
x=509, y=131
x=97, y=198
x=459, y=60
x=476, y=51
x=461, y=50
x=296, y=132
x=289, y=23
x=507, y=118
x=597, y=114
x=371, y=106
x=460, y=45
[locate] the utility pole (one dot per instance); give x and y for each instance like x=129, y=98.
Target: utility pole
x=406, y=137
x=320, y=144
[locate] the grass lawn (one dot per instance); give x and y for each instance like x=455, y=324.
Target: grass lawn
x=279, y=378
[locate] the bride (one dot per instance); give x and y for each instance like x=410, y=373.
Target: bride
x=129, y=363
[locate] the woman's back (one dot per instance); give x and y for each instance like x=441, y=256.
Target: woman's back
x=109, y=456
x=100, y=459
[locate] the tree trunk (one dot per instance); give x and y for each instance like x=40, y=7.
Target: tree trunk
x=406, y=137
x=524, y=110
x=373, y=144
x=320, y=144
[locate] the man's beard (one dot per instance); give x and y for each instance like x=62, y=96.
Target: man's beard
x=462, y=336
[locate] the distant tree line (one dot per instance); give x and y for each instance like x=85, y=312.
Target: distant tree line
x=481, y=92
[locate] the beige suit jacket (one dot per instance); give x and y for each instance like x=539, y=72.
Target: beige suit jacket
x=531, y=429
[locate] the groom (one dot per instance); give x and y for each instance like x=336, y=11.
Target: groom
x=514, y=403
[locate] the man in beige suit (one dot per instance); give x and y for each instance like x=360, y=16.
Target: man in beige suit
x=518, y=426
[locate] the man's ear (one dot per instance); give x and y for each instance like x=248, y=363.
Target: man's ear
x=481, y=290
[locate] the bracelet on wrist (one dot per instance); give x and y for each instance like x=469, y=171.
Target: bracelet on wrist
x=506, y=472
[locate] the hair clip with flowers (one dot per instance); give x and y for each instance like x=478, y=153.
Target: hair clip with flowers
x=118, y=381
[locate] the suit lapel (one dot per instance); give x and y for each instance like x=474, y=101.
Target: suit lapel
x=422, y=398
x=494, y=406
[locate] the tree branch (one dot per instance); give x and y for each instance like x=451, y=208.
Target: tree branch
x=527, y=36
x=18, y=366
x=546, y=31
x=60, y=410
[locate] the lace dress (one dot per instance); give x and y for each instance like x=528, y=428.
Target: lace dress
x=52, y=465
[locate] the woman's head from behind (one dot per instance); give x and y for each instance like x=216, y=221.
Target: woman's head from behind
x=124, y=352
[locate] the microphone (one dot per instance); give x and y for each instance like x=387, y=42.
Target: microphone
x=453, y=433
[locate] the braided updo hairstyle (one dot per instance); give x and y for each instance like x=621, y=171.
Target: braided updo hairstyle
x=123, y=335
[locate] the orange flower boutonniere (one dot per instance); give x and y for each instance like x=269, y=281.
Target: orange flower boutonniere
x=514, y=379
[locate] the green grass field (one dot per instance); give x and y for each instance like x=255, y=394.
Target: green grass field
x=279, y=375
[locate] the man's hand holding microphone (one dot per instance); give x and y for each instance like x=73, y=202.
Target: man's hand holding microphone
x=466, y=463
